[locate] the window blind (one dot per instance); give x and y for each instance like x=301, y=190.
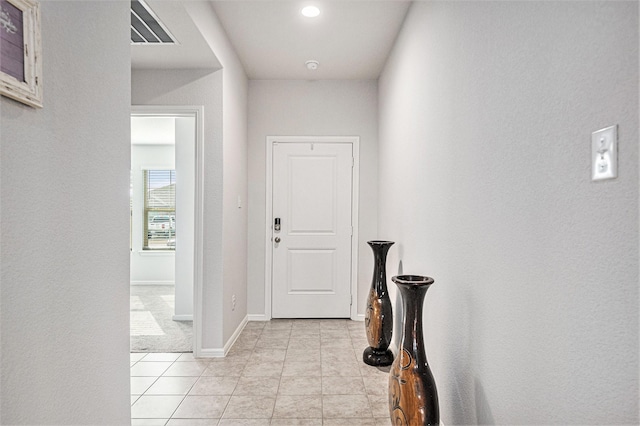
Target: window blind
x=159, y=209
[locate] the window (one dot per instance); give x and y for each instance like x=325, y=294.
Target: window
x=159, y=210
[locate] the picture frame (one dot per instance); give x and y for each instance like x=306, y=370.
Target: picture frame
x=21, y=51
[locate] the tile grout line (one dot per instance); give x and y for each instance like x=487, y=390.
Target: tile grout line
x=181, y=401
x=226, y=406
x=321, y=382
x=275, y=400
x=323, y=357
x=189, y=390
x=240, y=377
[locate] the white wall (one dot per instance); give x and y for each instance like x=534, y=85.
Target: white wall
x=234, y=170
x=185, y=214
x=197, y=87
x=223, y=93
x=64, y=320
x=311, y=108
x=486, y=114
x=149, y=267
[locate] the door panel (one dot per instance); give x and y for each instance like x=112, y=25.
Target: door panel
x=312, y=260
x=312, y=195
x=311, y=272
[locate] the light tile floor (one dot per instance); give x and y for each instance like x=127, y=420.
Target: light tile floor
x=281, y=372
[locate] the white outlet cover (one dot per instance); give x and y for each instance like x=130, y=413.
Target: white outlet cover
x=604, y=153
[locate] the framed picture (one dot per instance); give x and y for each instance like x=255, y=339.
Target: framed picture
x=20, y=51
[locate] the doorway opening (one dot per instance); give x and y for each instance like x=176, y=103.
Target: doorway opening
x=165, y=143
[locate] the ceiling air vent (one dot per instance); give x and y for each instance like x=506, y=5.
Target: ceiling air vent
x=145, y=26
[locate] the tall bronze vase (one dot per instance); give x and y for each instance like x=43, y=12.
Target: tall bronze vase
x=413, y=398
x=379, y=317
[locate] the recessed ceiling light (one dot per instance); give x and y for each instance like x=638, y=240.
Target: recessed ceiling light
x=310, y=11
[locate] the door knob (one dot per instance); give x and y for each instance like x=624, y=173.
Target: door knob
x=276, y=239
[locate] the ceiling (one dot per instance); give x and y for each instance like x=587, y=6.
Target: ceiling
x=351, y=39
x=190, y=51
x=153, y=130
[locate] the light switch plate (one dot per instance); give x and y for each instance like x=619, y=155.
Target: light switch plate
x=604, y=153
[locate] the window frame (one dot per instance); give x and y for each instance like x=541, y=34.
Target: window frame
x=161, y=211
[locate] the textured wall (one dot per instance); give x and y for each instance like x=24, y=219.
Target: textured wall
x=486, y=114
x=234, y=167
x=224, y=96
x=197, y=87
x=311, y=108
x=65, y=173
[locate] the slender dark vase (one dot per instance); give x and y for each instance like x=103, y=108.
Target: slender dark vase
x=379, y=317
x=413, y=397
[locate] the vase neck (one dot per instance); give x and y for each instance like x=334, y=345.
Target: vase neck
x=412, y=334
x=380, y=250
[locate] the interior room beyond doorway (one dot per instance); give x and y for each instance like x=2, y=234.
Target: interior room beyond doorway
x=162, y=232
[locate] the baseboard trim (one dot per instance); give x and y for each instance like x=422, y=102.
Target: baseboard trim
x=211, y=353
x=235, y=335
x=182, y=318
x=257, y=317
x=153, y=283
x=359, y=317
x=222, y=352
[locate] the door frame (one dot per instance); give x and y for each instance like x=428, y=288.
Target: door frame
x=198, y=112
x=355, y=195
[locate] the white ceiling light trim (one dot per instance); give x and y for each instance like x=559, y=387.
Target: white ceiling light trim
x=310, y=11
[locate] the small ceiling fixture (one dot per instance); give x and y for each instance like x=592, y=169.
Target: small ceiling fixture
x=310, y=11
x=312, y=65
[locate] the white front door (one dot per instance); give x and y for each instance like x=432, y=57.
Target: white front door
x=312, y=184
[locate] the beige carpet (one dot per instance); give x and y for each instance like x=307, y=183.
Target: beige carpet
x=152, y=327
